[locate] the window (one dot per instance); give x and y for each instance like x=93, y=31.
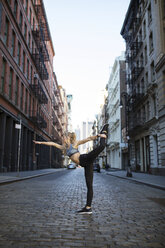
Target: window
x=32, y=46
x=146, y=77
x=20, y=20
x=10, y=83
x=145, y=54
x=32, y=109
x=26, y=99
x=138, y=115
x=154, y=105
x=21, y=96
x=26, y=7
x=15, y=8
x=139, y=39
x=142, y=86
x=141, y=60
x=23, y=62
x=27, y=71
x=29, y=104
x=148, y=110
x=16, y=90
x=138, y=88
x=29, y=40
x=6, y=32
x=31, y=69
x=143, y=114
x=33, y=23
x=13, y=44
x=19, y=53
x=25, y=31
x=3, y=75
x=152, y=72
x=30, y=17
x=144, y=29
x=151, y=42
x=149, y=14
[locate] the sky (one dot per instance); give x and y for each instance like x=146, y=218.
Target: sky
x=86, y=39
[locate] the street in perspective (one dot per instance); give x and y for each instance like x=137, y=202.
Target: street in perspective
x=82, y=124
x=42, y=212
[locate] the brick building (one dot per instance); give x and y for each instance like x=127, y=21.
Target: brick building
x=29, y=91
x=144, y=32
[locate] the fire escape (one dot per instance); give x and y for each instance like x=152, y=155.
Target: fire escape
x=57, y=117
x=40, y=56
x=135, y=64
x=41, y=34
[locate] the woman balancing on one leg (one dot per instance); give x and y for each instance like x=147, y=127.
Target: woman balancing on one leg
x=70, y=147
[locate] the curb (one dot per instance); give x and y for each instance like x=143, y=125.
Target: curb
x=26, y=178
x=157, y=186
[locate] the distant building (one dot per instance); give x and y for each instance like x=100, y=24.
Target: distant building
x=113, y=111
x=82, y=133
x=69, y=114
x=65, y=109
x=77, y=132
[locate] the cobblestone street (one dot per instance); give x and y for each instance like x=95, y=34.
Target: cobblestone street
x=41, y=212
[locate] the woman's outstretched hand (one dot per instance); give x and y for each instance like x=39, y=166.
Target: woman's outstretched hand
x=37, y=142
x=102, y=135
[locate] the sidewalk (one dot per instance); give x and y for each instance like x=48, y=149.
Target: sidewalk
x=9, y=177
x=147, y=179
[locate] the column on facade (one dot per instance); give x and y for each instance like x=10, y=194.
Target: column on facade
x=14, y=148
x=8, y=143
x=143, y=154
x=29, y=150
x=24, y=148
x=2, y=139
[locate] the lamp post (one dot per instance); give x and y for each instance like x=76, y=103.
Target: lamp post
x=125, y=96
x=19, y=126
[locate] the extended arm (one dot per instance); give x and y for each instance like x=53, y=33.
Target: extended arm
x=49, y=143
x=80, y=142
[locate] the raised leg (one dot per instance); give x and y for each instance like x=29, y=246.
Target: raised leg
x=96, y=151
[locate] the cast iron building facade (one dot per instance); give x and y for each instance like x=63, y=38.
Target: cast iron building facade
x=116, y=152
x=144, y=33
x=29, y=92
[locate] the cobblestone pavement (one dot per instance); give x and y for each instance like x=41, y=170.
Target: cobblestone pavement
x=40, y=212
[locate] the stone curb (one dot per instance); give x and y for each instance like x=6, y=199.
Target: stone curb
x=139, y=181
x=26, y=178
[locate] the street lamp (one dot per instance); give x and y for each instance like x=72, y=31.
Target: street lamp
x=125, y=96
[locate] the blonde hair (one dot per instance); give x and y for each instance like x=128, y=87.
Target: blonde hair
x=72, y=137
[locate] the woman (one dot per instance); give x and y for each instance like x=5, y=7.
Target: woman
x=70, y=148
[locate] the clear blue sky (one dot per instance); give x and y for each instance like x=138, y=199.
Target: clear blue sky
x=86, y=38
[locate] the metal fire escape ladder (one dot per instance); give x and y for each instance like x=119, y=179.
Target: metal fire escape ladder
x=39, y=91
x=41, y=14
x=41, y=34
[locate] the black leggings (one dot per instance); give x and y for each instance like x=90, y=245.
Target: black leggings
x=86, y=161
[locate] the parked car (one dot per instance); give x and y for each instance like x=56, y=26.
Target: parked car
x=71, y=166
x=96, y=167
